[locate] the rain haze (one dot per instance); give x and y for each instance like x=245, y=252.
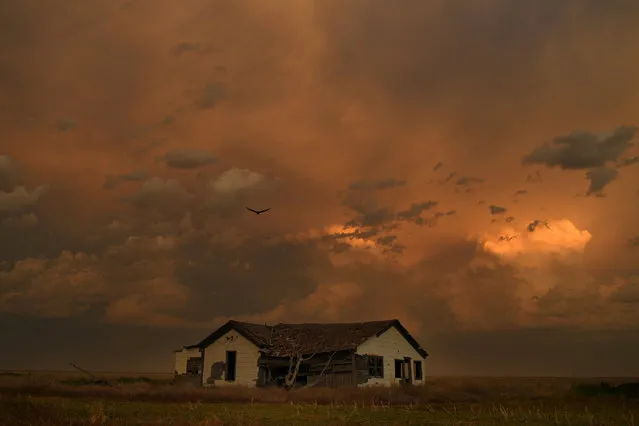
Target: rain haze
x=469, y=168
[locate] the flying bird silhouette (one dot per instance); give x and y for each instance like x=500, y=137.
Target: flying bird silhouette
x=258, y=211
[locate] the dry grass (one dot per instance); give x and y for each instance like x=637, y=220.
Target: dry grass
x=55, y=399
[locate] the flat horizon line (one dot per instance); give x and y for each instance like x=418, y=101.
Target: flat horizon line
x=435, y=376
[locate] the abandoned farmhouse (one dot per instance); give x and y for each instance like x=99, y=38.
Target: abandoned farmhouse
x=296, y=355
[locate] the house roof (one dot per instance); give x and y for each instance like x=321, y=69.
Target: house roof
x=281, y=340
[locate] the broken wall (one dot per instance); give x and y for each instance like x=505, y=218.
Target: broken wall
x=182, y=357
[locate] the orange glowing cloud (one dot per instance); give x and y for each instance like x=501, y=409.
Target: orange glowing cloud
x=559, y=236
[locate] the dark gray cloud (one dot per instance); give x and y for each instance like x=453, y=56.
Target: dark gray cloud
x=520, y=192
x=532, y=226
x=229, y=280
x=433, y=220
x=438, y=166
x=372, y=219
x=448, y=178
x=188, y=158
x=413, y=213
x=628, y=161
x=466, y=184
x=190, y=47
x=534, y=178
x=161, y=195
x=168, y=119
x=497, y=209
x=66, y=124
x=387, y=240
x=372, y=215
x=468, y=180
x=599, y=178
x=112, y=181
x=583, y=150
x=211, y=95
x=338, y=247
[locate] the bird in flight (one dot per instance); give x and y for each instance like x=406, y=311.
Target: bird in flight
x=258, y=211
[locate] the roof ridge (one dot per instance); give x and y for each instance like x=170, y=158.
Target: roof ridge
x=338, y=323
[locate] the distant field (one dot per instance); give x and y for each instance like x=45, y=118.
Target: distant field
x=69, y=398
x=65, y=374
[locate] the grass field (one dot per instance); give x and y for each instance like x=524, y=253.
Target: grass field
x=68, y=399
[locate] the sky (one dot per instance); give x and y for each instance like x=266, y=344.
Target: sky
x=469, y=168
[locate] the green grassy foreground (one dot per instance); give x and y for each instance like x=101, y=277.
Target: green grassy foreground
x=56, y=411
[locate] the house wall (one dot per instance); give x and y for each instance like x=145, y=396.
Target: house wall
x=215, y=360
x=182, y=356
x=391, y=345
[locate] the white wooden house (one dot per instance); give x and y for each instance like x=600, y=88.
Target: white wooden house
x=333, y=354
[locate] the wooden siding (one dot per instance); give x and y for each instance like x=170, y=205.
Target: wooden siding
x=215, y=359
x=391, y=345
x=182, y=356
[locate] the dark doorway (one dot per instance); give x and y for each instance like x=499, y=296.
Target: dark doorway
x=231, y=366
x=419, y=374
x=399, y=369
x=408, y=371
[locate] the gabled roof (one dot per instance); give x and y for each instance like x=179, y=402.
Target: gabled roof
x=283, y=339
x=258, y=334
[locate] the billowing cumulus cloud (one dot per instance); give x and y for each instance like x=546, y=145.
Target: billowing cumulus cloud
x=236, y=180
x=20, y=198
x=388, y=143
x=158, y=193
